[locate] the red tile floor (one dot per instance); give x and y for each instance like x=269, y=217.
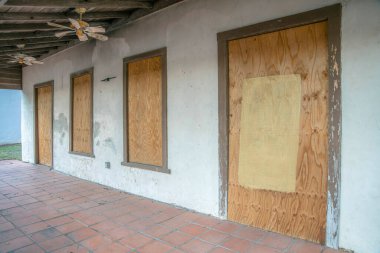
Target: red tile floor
x=46, y=211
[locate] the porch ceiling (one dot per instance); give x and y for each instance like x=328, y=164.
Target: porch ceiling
x=24, y=22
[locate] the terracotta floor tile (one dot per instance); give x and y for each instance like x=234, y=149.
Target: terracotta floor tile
x=120, y=232
x=45, y=234
x=252, y=234
x=221, y=250
x=104, y=226
x=14, y=244
x=6, y=226
x=75, y=248
x=81, y=234
x=113, y=248
x=264, y=249
x=193, y=229
x=96, y=242
x=136, y=240
x=305, y=247
x=207, y=221
x=70, y=227
x=34, y=248
x=155, y=247
x=35, y=227
x=197, y=246
x=237, y=244
x=158, y=231
x=214, y=236
x=56, y=243
x=59, y=221
x=51, y=208
x=9, y=235
x=177, y=238
x=227, y=227
x=26, y=221
x=276, y=241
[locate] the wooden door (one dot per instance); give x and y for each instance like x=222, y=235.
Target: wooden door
x=81, y=114
x=278, y=128
x=44, y=109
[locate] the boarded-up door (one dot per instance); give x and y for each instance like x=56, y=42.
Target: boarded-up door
x=44, y=109
x=81, y=114
x=278, y=130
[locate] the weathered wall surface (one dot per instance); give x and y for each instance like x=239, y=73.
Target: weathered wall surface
x=10, y=116
x=188, y=30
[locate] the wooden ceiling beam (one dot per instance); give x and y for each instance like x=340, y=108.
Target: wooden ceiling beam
x=131, y=4
x=11, y=76
x=27, y=35
x=11, y=71
x=37, y=46
x=137, y=14
x=29, y=16
x=36, y=41
x=27, y=51
x=11, y=86
x=39, y=27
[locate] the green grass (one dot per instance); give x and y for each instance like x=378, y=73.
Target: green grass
x=10, y=152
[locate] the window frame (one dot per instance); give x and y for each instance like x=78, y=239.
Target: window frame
x=72, y=76
x=161, y=53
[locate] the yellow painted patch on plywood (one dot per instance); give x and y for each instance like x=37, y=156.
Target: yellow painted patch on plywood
x=269, y=132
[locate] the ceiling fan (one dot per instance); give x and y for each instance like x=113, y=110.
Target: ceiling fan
x=81, y=28
x=24, y=59
x=21, y=58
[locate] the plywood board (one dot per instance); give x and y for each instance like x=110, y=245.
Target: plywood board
x=145, y=111
x=303, y=51
x=44, y=124
x=82, y=114
x=270, y=121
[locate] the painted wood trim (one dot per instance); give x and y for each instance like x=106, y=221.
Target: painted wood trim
x=333, y=15
x=162, y=53
x=35, y=97
x=72, y=76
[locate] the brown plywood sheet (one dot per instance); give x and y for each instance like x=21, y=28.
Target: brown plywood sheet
x=82, y=114
x=145, y=111
x=44, y=124
x=269, y=132
x=300, y=51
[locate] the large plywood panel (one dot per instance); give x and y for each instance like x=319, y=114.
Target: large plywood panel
x=303, y=51
x=145, y=111
x=82, y=114
x=44, y=124
x=270, y=121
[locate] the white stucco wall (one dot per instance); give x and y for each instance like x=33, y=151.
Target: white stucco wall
x=188, y=30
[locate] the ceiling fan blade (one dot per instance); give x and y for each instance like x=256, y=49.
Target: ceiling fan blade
x=59, y=26
x=75, y=23
x=61, y=34
x=37, y=62
x=29, y=58
x=82, y=36
x=13, y=61
x=95, y=29
x=98, y=36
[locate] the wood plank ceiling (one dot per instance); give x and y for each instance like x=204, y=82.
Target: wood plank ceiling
x=24, y=22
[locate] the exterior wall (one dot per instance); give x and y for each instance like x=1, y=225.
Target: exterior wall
x=188, y=30
x=10, y=116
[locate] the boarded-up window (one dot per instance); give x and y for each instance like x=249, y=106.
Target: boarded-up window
x=81, y=113
x=145, y=111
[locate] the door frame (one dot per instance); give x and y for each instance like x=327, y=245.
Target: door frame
x=35, y=88
x=331, y=14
